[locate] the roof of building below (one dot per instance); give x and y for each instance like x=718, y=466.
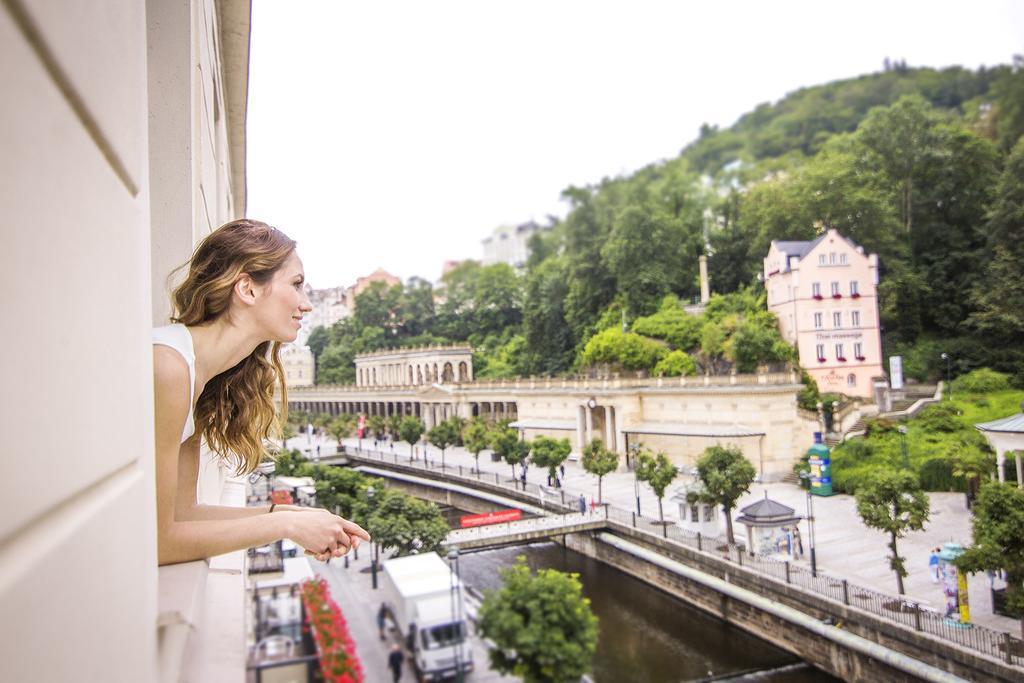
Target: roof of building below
x=767, y=512
x=1012, y=424
x=708, y=430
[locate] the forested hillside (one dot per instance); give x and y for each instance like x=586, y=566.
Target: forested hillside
x=923, y=167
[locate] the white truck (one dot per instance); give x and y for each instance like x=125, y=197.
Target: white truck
x=425, y=601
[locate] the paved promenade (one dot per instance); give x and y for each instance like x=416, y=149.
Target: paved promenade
x=845, y=547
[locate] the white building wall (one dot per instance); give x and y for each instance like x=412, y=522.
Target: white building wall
x=77, y=545
x=115, y=163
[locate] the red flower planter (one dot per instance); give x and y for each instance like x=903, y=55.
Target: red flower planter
x=841, y=359
x=338, y=660
x=861, y=358
x=837, y=296
x=821, y=360
x=818, y=297
x=855, y=295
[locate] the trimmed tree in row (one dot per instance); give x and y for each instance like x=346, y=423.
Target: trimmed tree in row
x=599, y=461
x=549, y=453
x=410, y=430
x=505, y=442
x=475, y=437
x=443, y=435
x=726, y=475
x=658, y=472
x=892, y=501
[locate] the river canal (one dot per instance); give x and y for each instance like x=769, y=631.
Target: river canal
x=646, y=636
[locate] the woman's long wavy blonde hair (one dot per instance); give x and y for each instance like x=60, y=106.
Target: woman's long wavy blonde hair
x=235, y=413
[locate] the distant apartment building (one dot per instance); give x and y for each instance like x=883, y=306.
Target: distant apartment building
x=329, y=306
x=510, y=245
x=299, y=367
x=363, y=283
x=825, y=294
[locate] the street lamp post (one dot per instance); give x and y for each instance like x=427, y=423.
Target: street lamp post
x=636, y=481
x=453, y=562
x=949, y=384
x=373, y=546
x=902, y=429
x=806, y=476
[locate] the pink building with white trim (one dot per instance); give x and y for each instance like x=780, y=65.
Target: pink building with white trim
x=825, y=294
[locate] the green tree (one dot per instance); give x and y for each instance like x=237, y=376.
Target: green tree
x=337, y=488
x=543, y=627
x=410, y=430
x=392, y=423
x=548, y=335
x=893, y=502
x=377, y=424
x=658, y=472
x=643, y=256
x=340, y=428
x=506, y=443
x=549, y=453
x=443, y=435
x=727, y=475
x=675, y=364
x=400, y=522
x=475, y=437
x=998, y=541
x=971, y=461
x=599, y=461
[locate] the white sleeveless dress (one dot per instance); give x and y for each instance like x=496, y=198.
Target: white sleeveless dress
x=179, y=338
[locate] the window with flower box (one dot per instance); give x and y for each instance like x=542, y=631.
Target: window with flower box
x=858, y=351
x=820, y=350
x=840, y=355
x=855, y=318
x=836, y=294
x=816, y=290
x=854, y=289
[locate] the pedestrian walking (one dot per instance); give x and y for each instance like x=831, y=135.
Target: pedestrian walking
x=593, y=505
x=583, y=504
x=933, y=565
x=395, y=659
x=382, y=615
x=798, y=540
x=561, y=469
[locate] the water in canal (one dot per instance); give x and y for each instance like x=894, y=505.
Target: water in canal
x=646, y=636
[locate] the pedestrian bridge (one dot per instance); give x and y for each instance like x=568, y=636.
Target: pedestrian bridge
x=525, y=530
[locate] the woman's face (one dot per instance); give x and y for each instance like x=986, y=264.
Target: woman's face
x=285, y=301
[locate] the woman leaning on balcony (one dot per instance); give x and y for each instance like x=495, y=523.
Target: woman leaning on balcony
x=214, y=373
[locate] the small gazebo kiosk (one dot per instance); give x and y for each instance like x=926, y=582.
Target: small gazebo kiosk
x=1006, y=436
x=774, y=523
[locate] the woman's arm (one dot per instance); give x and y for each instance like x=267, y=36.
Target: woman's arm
x=181, y=540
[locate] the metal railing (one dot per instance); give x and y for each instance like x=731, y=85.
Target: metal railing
x=898, y=610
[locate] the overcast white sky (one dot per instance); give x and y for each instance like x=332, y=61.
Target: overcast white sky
x=400, y=134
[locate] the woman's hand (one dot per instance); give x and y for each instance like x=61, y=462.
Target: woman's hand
x=322, y=534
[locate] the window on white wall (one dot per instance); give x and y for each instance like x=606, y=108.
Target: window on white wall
x=843, y=260
x=821, y=259
x=820, y=348
x=858, y=350
x=854, y=289
x=816, y=289
x=855, y=318
x=835, y=288
x=839, y=351
x=837, y=319
x=851, y=380
x=832, y=258
x=817, y=321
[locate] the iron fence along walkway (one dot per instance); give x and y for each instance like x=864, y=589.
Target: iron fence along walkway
x=899, y=610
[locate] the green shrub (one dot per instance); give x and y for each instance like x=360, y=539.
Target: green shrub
x=809, y=396
x=671, y=323
x=879, y=426
x=941, y=417
x=675, y=364
x=936, y=474
x=627, y=350
x=981, y=381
